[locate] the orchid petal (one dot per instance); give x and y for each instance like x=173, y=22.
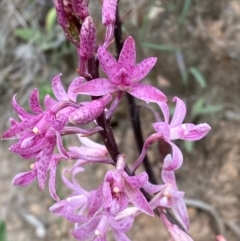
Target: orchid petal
x=122, y=225
x=59, y=123
x=16, y=148
x=165, y=110
x=143, y=68
x=168, y=176
x=83, y=232
x=180, y=212
x=136, y=181
x=29, y=140
x=58, y=89
x=44, y=158
x=60, y=146
x=96, y=87
x=195, y=132
x=177, y=158
x=179, y=113
x=127, y=57
x=107, y=61
x=52, y=180
x=95, y=201
x=138, y=200
x=49, y=102
x=162, y=128
x=152, y=188
x=58, y=208
x=147, y=93
x=75, y=83
x=107, y=194
x=24, y=178
x=16, y=130
x=34, y=102
x=20, y=111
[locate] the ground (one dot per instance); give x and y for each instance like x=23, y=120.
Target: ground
x=208, y=40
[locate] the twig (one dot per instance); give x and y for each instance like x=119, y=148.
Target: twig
x=207, y=208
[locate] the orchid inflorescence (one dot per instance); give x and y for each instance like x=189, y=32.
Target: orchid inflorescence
x=123, y=195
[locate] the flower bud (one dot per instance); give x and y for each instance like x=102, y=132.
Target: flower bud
x=87, y=38
x=109, y=11
x=80, y=8
x=89, y=111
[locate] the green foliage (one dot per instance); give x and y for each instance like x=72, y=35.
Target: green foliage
x=27, y=34
x=198, y=76
x=200, y=108
x=51, y=20
x=189, y=146
x=160, y=47
x=185, y=9
x=47, y=39
x=44, y=89
x=2, y=231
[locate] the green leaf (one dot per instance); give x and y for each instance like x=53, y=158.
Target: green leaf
x=186, y=6
x=210, y=109
x=199, y=108
x=161, y=47
x=198, y=76
x=26, y=34
x=181, y=66
x=45, y=89
x=51, y=19
x=189, y=146
x=2, y=231
x=143, y=28
x=198, y=105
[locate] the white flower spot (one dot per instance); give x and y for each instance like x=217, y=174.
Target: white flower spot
x=97, y=233
x=184, y=126
x=116, y=190
x=35, y=130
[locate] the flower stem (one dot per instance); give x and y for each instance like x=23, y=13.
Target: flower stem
x=133, y=109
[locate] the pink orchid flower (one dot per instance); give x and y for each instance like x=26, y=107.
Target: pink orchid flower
x=124, y=75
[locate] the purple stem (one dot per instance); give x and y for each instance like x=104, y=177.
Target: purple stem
x=106, y=134
x=133, y=109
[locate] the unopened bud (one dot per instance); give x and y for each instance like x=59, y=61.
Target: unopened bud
x=89, y=111
x=109, y=11
x=61, y=14
x=80, y=8
x=87, y=38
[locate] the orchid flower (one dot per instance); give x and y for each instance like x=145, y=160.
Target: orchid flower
x=124, y=75
x=169, y=195
x=118, y=189
x=175, y=130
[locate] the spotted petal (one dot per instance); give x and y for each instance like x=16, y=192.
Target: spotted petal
x=138, y=200
x=75, y=83
x=24, y=178
x=97, y=87
x=58, y=89
x=147, y=93
x=143, y=68
x=107, y=62
x=127, y=57
x=34, y=102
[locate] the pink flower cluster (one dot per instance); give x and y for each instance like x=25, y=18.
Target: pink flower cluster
x=122, y=194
